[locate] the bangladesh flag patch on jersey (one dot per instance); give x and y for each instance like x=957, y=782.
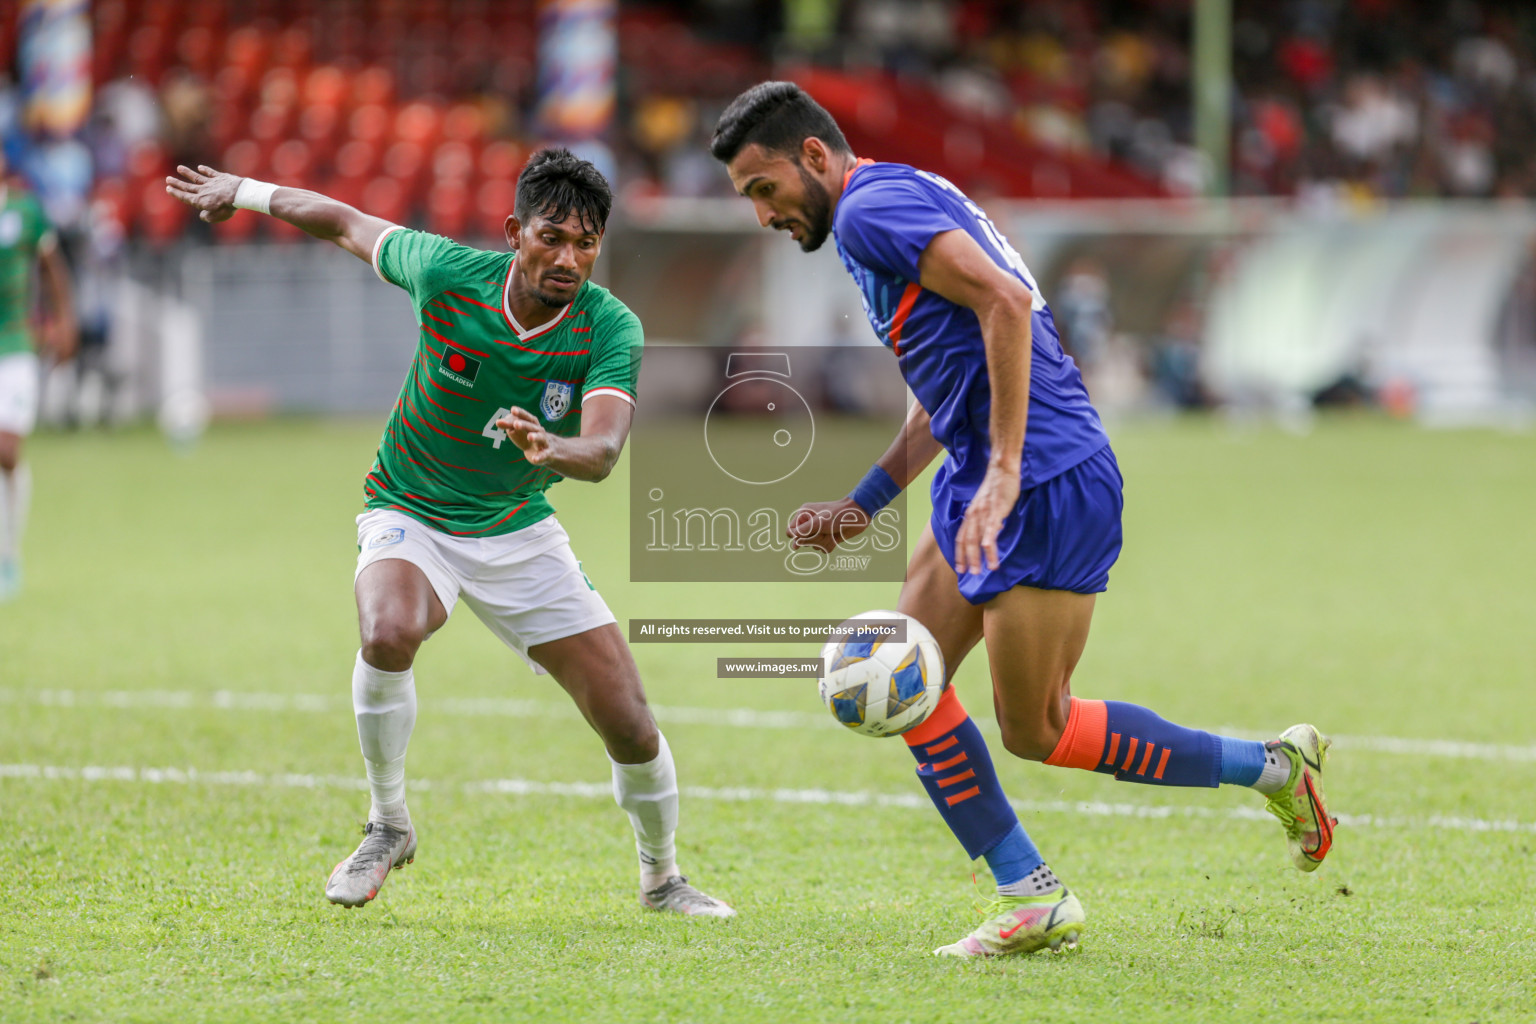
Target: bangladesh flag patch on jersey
x=459, y=367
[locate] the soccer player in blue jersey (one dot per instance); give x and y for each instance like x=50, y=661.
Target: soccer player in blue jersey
x=1026, y=507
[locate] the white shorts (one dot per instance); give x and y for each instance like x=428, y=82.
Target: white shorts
x=526, y=585
x=19, y=388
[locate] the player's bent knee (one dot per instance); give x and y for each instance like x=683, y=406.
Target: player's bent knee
x=633, y=739
x=1032, y=741
x=390, y=646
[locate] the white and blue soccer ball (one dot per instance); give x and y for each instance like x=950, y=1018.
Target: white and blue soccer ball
x=882, y=687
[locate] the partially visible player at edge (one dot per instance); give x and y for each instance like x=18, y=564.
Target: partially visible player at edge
x=517, y=345
x=1026, y=508
x=27, y=239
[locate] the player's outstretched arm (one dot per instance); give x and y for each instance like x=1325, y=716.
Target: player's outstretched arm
x=217, y=195
x=826, y=524
x=605, y=423
x=954, y=266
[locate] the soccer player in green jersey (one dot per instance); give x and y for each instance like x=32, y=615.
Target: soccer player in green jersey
x=27, y=241
x=524, y=374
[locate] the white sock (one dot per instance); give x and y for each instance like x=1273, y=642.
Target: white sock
x=385, y=705
x=648, y=794
x=1039, y=882
x=1277, y=771
x=15, y=496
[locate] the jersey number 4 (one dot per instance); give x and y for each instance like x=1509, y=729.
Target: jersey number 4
x=492, y=431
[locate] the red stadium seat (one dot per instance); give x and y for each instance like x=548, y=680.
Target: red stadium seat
x=464, y=122
x=280, y=88
x=293, y=48
x=448, y=209
x=270, y=125
x=369, y=123
x=110, y=16
x=347, y=38
x=246, y=48
x=195, y=49
x=383, y=197
x=233, y=86
x=147, y=52
x=161, y=217
x=471, y=35
x=326, y=86
x=293, y=163
x=106, y=56
x=453, y=161
x=148, y=160
x=373, y=85
x=212, y=13
x=358, y=160
x=406, y=162
x=494, y=201
x=420, y=123
x=161, y=13
x=502, y=160
x=428, y=75
x=319, y=126
x=242, y=158
x=345, y=190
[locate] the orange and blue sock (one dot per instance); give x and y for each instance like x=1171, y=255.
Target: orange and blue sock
x=955, y=768
x=1135, y=745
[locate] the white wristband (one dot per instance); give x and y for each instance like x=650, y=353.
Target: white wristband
x=254, y=195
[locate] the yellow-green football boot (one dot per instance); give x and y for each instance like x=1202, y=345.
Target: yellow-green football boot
x=1024, y=924
x=1300, y=804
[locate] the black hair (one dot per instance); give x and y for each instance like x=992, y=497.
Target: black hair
x=556, y=183
x=778, y=116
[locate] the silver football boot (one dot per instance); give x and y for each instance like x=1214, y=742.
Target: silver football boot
x=677, y=896
x=357, y=879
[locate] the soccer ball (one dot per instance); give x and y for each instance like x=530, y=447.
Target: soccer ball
x=882, y=687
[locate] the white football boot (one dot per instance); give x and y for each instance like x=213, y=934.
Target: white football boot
x=677, y=896
x=357, y=879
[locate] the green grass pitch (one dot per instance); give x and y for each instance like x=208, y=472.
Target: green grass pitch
x=1371, y=577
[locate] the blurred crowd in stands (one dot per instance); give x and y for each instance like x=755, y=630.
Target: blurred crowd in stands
x=1333, y=99
x=423, y=110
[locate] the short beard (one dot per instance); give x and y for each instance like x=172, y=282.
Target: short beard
x=548, y=299
x=818, y=211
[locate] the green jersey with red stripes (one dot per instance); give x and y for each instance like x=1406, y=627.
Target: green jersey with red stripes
x=442, y=458
x=24, y=232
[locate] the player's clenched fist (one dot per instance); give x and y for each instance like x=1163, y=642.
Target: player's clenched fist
x=527, y=433
x=210, y=192
x=826, y=524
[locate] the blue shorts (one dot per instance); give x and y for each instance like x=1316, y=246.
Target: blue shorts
x=1064, y=534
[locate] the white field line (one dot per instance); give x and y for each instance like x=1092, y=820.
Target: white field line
x=823, y=797
x=739, y=718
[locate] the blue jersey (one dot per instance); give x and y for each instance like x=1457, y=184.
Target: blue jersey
x=886, y=217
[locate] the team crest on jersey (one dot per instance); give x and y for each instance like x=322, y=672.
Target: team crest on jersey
x=557, y=399
x=10, y=227
x=458, y=367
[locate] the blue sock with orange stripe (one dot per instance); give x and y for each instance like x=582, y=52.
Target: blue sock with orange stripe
x=1136, y=745
x=955, y=768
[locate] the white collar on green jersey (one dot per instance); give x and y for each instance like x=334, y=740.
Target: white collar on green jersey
x=506, y=309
